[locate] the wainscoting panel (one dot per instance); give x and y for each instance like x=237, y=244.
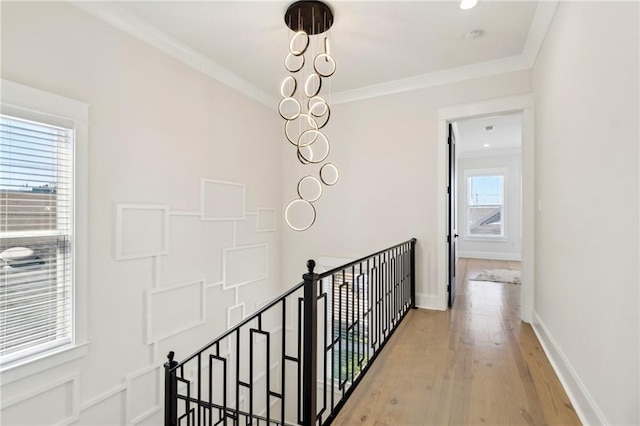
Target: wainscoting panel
x=106, y=409
x=61, y=397
x=144, y=396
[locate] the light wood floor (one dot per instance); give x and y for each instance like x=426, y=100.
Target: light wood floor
x=476, y=364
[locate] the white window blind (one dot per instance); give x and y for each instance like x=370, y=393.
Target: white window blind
x=36, y=223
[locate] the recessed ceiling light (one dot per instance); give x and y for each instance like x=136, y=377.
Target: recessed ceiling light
x=486, y=145
x=473, y=35
x=489, y=128
x=468, y=4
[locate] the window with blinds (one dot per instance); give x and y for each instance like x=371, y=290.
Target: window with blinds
x=36, y=223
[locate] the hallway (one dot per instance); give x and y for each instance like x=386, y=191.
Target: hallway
x=475, y=364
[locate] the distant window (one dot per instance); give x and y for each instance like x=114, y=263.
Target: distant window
x=36, y=237
x=485, y=205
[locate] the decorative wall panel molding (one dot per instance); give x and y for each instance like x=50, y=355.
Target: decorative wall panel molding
x=63, y=394
x=244, y=265
x=203, y=255
x=266, y=220
x=143, y=396
x=107, y=408
x=166, y=318
x=196, y=250
x=142, y=230
x=235, y=314
x=221, y=200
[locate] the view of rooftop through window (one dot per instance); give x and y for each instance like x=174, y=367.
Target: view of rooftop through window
x=486, y=205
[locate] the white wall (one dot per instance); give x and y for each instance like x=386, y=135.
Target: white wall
x=586, y=159
x=386, y=151
x=509, y=247
x=156, y=129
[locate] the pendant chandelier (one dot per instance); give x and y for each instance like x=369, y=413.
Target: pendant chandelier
x=304, y=108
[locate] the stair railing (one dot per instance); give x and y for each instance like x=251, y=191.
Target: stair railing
x=296, y=360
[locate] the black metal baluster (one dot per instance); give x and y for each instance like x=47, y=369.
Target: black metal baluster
x=300, y=395
x=379, y=301
x=237, y=376
x=340, y=336
x=413, y=273
x=251, y=340
x=199, y=406
x=333, y=339
x=211, y=389
x=325, y=318
x=369, y=297
x=394, y=288
x=352, y=327
x=283, y=374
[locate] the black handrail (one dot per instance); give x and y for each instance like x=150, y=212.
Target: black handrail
x=362, y=259
x=345, y=317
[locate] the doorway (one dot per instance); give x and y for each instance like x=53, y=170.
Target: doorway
x=523, y=105
x=485, y=164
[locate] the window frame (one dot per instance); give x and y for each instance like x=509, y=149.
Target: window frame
x=33, y=104
x=474, y=173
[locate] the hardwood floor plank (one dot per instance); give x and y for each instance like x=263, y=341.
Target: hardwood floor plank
x=476, y=364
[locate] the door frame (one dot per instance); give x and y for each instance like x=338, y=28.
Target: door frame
x=520, y=103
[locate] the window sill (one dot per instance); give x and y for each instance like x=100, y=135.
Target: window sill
x=32, y=366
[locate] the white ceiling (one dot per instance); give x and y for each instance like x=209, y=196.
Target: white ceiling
x=506, y=134
x=375, y=43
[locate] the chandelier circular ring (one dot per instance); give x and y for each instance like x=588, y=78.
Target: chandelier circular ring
x=312, y=125
x=289, y=109
x=288, y=87
x=295, y=67
x=299, y=203
x=319, y=137
x=329, y=59
x=329, y=174
x=302, y=157
x=313, y=85
x=326, y=112
x=309, y=189
x=294, y=40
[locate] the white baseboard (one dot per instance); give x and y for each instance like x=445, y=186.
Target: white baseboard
x=428, y=301
x=583, y=403
x=489, y=255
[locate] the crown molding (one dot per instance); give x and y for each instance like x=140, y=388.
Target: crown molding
x=453, y=75
x=116, y=16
